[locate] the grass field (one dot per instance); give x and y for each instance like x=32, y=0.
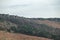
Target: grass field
x=14, y=36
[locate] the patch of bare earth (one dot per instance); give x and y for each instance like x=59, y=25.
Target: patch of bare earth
x=13, y=36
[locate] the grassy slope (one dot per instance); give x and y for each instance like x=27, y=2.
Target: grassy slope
x=49, y=23
x=12, y=36
x=10, y=21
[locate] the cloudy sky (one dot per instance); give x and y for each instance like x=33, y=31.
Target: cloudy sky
x=31, y=8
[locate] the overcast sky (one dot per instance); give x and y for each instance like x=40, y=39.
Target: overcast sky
x=31, y=8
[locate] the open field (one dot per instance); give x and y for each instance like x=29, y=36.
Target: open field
x=13, y=36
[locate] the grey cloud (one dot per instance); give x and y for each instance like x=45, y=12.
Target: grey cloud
x=35, y=9
x=12, y=6
x=56, y=3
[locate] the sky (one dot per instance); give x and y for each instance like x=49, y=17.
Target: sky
x=31, y=8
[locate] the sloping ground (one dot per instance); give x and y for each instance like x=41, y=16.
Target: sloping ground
x=49, y=23
x=12, y=36
x=6, y=25
x=41, y=28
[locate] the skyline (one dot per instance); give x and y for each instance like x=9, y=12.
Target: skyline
x=31, y=8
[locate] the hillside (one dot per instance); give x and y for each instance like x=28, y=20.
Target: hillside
x=13, y=36
x=41, y=27
x=48, y=22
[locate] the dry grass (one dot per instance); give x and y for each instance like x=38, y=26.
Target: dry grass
x=49, y=23
x=13, y=36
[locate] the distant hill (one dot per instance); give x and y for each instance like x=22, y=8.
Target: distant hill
x=41, y=27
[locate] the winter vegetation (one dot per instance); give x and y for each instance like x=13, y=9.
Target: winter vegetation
x=30, y=26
